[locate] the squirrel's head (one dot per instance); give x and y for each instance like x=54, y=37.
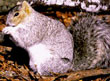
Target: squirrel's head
x=18, y=14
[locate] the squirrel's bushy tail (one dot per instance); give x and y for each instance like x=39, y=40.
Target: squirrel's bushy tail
x=91, y=43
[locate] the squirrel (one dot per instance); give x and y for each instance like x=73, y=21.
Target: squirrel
x=48, y=42
x=52, y=48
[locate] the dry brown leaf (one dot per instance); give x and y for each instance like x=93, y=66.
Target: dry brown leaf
x=58, y=14
x=10, y=62
x=67, y=22
x=80, y=80
x=3, y=80
x=2, y=58
x=4, y=49
x=47, y=79
x=2, y=26
x=4, y=65
x=15, y=80
x=65, y=15
x=70, y=14
x=2, y=22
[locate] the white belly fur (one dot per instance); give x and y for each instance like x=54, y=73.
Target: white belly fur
x=38, y=54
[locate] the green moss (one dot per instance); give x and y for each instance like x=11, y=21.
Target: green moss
x=1, y=3
x=6, y=5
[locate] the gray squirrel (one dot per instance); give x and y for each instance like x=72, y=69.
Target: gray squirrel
x=51, y=47
x=48, y=42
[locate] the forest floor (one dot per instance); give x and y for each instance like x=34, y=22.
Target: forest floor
x=14, y=66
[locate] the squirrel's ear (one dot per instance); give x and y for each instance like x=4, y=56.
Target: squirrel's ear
x=26, y=7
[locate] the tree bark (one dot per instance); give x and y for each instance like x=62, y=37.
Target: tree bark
x=87, y=5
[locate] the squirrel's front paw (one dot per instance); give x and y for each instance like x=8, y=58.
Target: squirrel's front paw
x=7, y=30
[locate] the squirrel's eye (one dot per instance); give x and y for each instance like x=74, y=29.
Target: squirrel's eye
x=16, y=14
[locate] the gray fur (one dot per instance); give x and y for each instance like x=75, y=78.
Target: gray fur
x=91, y=43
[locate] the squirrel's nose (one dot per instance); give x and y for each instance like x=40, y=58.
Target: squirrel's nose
x=7, y=24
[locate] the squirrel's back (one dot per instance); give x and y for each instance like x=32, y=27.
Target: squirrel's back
x=91, y=43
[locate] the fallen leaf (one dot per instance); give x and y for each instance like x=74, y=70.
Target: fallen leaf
x=2, y=58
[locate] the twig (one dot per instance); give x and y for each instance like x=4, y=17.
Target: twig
x=87, y=73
